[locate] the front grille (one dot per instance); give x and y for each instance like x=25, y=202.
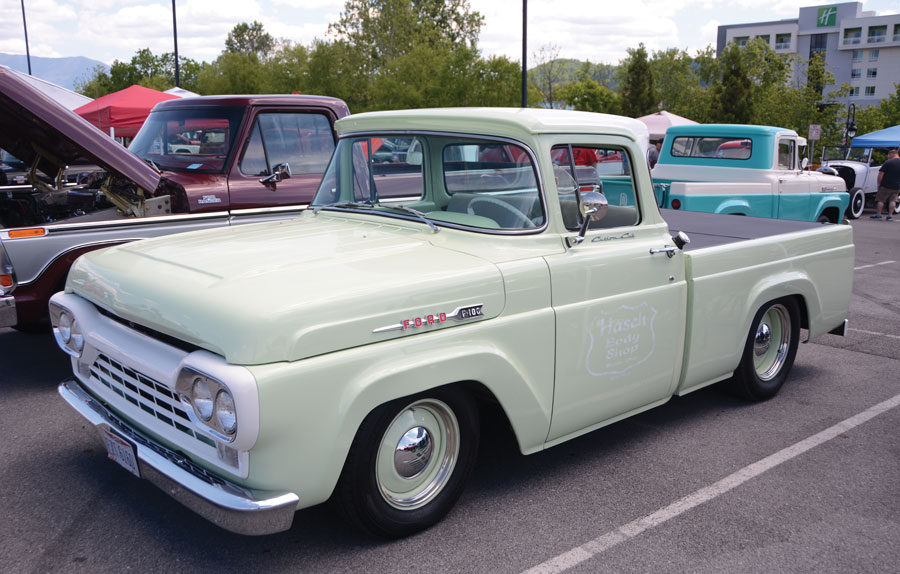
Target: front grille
x=147, y=396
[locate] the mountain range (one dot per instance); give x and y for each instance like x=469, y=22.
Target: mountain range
x=63, y=72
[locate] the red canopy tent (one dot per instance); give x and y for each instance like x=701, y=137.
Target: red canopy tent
x=124, y=111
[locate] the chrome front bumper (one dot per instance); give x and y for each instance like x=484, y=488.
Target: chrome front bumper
x=225, y=504
x=8, y=316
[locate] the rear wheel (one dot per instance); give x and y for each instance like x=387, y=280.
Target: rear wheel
x=769, y=350
x=857, y=203
x=409, y=462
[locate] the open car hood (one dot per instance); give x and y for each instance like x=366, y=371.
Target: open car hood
x=34, y=125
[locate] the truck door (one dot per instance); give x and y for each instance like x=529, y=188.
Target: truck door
x=302, y=139
x=794, y=186
x=620, y=310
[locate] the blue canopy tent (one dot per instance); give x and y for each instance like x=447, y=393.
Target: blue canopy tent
x=889, y=137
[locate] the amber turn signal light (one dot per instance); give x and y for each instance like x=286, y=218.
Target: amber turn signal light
x=33, y=232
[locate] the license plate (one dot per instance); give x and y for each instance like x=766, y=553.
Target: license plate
x=122, y=451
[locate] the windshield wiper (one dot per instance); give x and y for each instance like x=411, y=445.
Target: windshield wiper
x=415, y=212
x=343, y=205
x=153, y=164
x=367, y=205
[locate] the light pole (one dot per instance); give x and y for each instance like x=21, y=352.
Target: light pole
x=524, y=53
x=175, y=34
x=24, y=25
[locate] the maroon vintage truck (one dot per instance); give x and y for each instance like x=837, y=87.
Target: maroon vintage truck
x=196, y=163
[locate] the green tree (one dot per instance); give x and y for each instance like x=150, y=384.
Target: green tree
x=589, y=96
x=675, y=82
x=548, y=74
x=250, y=40
x=145, y=69
x=636, y=84
x=232, y=73
x=732, y=97
x=890, y=107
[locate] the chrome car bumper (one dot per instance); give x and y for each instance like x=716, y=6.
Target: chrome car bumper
x=8, y=316
x=225, y=504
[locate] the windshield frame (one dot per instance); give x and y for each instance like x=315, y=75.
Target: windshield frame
x=235, y=115
x=426, y=175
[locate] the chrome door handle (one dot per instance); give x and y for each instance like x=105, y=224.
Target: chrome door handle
x=669, y=250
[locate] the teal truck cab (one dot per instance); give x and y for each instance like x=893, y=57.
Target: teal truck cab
x=744, y=170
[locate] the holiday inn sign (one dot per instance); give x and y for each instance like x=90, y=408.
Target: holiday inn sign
x=827, y=17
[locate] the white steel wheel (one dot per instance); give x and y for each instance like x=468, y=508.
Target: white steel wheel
x=857, y=203
x=409, y=462
x=771, y=342
x=769, y=350
x=418, y=454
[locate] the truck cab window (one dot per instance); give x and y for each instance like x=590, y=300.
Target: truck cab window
x=302, y=140
x=580, y=169
x=786, y=154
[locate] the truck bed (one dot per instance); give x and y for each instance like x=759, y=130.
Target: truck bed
x=712, y=229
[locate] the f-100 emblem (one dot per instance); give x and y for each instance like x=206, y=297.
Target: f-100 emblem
x=459, y=314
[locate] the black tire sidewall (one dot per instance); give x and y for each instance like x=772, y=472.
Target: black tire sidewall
x=358, y=493
x=748, y=382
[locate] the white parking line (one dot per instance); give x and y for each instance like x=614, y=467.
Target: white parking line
x=873, y=265
x=873, y=333
x=596, y=546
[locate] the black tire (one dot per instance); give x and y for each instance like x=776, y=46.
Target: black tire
x=769, y=351
x=857, y=203
x=374, y=495
x=823, y=219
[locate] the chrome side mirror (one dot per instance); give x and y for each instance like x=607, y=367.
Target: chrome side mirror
x=593, y=207
x=804, y=162
x=279, y=172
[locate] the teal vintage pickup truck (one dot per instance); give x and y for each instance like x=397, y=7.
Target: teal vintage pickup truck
x=255, y=370
x=744, y=170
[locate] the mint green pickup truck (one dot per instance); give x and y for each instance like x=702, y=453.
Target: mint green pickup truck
x=256, y=370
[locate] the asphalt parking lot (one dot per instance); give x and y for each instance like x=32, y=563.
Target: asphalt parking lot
x=806, y=482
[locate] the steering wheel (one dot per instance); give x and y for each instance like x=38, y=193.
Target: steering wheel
x=521, y=220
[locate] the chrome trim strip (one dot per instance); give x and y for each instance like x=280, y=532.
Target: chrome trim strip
x=226, y=505
x=8, y=315
x=475, y=311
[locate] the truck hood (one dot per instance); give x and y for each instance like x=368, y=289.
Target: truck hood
x=33, y=124
x=289, y=290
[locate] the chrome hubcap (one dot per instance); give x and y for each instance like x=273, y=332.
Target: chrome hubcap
x=413, y=452
x=771, y=343
x=417, y=454
x=763, y=339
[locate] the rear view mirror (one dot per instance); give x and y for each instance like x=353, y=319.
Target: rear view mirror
x=414, y=153
x=279, y=172
x=804, y=162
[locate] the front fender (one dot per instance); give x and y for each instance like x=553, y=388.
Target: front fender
x=838, y=201
x=310, y=410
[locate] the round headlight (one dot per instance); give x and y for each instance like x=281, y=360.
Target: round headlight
x=202, y=399
x=77, y=338
x=225, y=413
x=65, y=327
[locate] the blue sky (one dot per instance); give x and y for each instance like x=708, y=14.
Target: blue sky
x=599, y=31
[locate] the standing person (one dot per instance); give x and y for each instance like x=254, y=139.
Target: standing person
x=888, y=185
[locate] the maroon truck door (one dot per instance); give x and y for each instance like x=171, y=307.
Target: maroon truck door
x=304, y=139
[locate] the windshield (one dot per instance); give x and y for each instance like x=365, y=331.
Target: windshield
x=189, y=140
x=453, y=180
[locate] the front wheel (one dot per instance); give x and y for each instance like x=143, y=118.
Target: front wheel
x=769, y=350
x=857, y=203
x=409, y=462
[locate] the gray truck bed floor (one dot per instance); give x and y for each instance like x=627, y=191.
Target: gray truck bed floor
x=711, y=229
